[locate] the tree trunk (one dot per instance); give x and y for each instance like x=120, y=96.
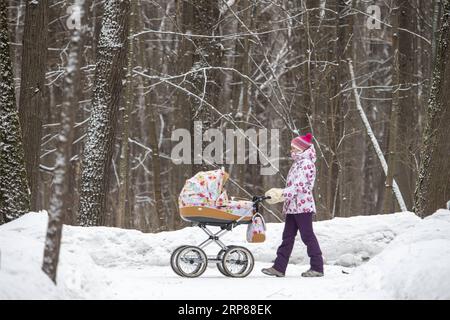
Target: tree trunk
x=310, y=31
x=408, y=105
x=205, y=83
x=181, y=172
x=389, y=204
x=32, y=89
x=337, y=108
x=109, y=72
x=123, y=210
x=14, y=192
x=437, y=12
x=61, y=201
x=62, y=198
x=433, y=183
x=52, y=243
x=159, y=223
x=243, y=105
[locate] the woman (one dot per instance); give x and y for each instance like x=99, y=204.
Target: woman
x=299, y=208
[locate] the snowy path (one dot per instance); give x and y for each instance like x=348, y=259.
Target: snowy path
x=162, y=283
x=395, y=256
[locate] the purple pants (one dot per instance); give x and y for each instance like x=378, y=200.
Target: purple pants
x=303, y=223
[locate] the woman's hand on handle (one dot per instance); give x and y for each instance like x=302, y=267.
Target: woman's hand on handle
x=275, y=194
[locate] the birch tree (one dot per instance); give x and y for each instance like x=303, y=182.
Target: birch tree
x=61, y=202
x=62, y=196
x=109, y=73
x=14, y=192
x=370, y=133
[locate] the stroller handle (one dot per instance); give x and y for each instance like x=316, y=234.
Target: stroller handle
x=258, y=199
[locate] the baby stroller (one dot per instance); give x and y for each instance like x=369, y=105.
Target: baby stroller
x=204, y=202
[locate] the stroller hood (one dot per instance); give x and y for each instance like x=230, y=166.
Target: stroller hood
x=203, y=189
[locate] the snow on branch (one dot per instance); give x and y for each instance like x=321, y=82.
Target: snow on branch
x=374, y=140
x=227, y=4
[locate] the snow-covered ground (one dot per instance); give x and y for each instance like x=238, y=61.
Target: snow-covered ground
x=395, y=256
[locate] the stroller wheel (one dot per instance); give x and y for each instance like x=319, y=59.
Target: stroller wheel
x=173, y=259
x=220, y=257
x=237, y=262
x=219, y=264
x=190, y=262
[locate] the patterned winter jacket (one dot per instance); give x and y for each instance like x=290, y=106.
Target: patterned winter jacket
x=298, y=193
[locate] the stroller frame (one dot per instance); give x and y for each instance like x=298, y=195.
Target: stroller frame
x=215, y=237
x=226, y=254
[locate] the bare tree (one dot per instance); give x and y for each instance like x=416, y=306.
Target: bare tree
x=410, y=63
x=62, y=198
x=389, y=204
x=242, y=106
x=208, y=52
x=181, y=172
x=123, y=211
x=14, y=192
x=109, y=73
x=61, y=201
x=433, y=183
x=229, y=64
x=32, y=88
x=52, y=243
x=337, y=108
x=370, y=133
x=158, y=221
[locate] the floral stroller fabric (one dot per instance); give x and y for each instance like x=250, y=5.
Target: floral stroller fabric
x=206, y=189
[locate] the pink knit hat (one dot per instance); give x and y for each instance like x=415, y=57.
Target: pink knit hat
x=303, y=142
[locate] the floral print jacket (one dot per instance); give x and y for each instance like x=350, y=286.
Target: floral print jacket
x=298, y=193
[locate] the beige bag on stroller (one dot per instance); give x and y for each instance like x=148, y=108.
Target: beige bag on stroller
x=256, y=230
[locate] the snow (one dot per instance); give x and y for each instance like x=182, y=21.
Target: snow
x=393, y=256
x=416, y=264
x=373, y=139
